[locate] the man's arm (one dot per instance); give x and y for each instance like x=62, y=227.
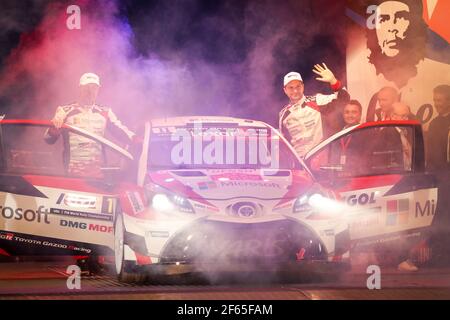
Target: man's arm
x=119, y=130
x=433, y=147
x=52, y=134
x=326, y=75
x=281, y=116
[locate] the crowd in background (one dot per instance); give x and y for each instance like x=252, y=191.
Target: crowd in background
x=307, y=120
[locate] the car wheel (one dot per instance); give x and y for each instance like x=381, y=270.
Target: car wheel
x=123, y=269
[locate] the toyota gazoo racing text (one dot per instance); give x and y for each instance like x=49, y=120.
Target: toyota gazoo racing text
x=225, y=194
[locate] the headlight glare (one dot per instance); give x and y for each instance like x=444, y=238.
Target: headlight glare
x=161, y=202
x=167, y=203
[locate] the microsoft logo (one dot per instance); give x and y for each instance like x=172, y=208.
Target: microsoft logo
x=397, y=212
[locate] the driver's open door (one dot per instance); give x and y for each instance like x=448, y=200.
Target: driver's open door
x=377, y=169
x=44, y=208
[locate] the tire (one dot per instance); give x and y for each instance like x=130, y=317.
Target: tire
x=124, y=270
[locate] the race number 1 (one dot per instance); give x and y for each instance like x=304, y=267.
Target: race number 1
x=108, y=205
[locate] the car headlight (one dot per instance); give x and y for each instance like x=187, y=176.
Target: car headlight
x=317, y=199
x=183, y=204
x=167, y=203
x=161, y=202
x=307, y=202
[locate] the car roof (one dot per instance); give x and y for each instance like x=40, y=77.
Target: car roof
x=183, y=121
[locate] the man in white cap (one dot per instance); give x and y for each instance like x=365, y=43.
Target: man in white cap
x=300, y=121
x=83, y=156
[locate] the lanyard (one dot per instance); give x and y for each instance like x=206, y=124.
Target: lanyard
x=344, y=144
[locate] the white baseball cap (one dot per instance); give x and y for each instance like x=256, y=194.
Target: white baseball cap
x=89, y=78
x=291, y=76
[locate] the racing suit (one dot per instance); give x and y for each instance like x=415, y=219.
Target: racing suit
x=83, y=156
x=301, y=123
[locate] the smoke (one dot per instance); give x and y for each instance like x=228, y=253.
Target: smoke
x=166, y=58
x=163, y=59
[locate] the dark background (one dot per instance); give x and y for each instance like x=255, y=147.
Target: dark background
x=216, y=32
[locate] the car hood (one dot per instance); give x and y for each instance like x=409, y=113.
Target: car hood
x=223, y=184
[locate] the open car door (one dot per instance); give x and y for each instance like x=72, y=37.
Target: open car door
x=377, y=168
x=44, y=209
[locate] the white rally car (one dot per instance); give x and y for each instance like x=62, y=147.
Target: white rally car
x=225, y=194
x=209, y=193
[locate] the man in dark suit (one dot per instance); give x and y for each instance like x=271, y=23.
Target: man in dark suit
x=349, y=151
x=401, y=111
x=438, y=162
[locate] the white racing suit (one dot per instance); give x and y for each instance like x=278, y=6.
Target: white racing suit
x=82, y=155
x=301, y=123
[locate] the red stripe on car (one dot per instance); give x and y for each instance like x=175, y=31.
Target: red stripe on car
x=63, y=183
x=4, y=253
x=142, y=260
x=370, y=182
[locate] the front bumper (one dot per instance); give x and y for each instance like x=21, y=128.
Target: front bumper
x=205, y=241
x=304, y=269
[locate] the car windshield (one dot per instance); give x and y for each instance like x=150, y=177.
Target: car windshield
x=230, y=147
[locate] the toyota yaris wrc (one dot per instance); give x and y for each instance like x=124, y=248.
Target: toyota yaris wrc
x=222, y=194
x=211, y=193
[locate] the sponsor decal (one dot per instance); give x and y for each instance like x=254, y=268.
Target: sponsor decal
x=360, y=199
x=250, y=184
x=157, y=234
x=6, y=236
x=109, y=205
x=387, y=239
x=28, y=215
x=86, y=226
x=397, y=212
x=367, y=218
x=268, y=247
x=236, y=176
x=77, y=200
x=229, y=170
x=80, y=214
x=46, y=243
x=136, y=201
x=207, y=185
x=428, y=209
x=300, y=255
x=328, y=232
